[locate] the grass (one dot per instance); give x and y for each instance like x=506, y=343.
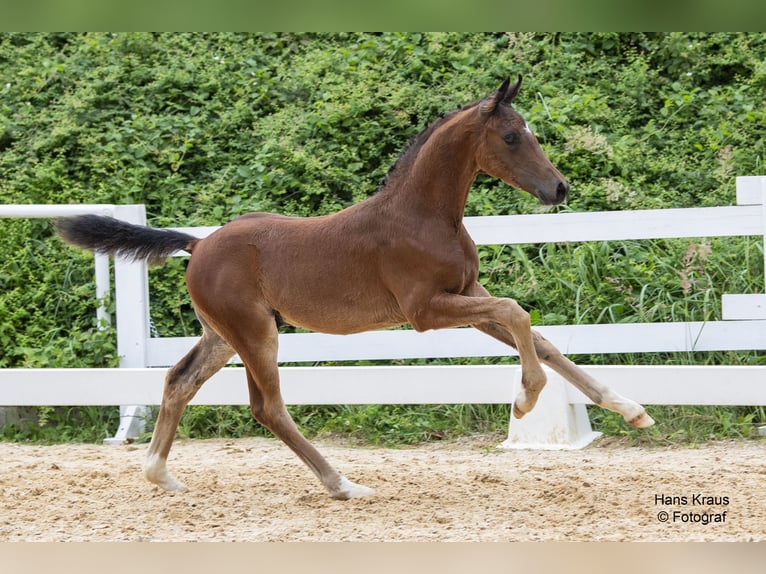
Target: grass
x=386, y=425
x=49, y=425
x=393, y=425
x=683, y=424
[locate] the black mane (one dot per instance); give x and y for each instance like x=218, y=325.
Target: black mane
x=417, y=142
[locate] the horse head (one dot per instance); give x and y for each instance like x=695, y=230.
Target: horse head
x=510, y=151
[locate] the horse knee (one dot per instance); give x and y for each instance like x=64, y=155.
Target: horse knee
x=519, y=317
x=266, y=409
x=270, y=413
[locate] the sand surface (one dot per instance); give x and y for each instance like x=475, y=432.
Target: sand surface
x=465, y=490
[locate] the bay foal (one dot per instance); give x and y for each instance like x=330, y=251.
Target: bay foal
x=401, y=256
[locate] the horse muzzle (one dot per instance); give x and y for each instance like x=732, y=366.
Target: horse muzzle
x=555, y=197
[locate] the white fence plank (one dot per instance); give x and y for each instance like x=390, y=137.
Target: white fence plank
x=44, y=211
x=744, y=307
x=570, y=339
x=300, y=385
x=729, y=221
x=750, y=190
x=665, y=384
x=682, y=384
x=617, y=225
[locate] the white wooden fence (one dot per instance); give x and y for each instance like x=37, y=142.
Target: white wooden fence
x=559, y=420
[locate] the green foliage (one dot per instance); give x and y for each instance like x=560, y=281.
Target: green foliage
x=683, y=424
x=66, y=424
x=625, y=281
x=47, y=304
x=388, y=425
x=204, y=127
x=402, y=424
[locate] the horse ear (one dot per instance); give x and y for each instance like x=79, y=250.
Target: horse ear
x=504, y=94
x=512, y=92
x=490, y=103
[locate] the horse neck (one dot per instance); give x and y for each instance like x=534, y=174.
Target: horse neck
x=436, y=182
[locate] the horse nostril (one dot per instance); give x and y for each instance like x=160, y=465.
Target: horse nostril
x=561, y=191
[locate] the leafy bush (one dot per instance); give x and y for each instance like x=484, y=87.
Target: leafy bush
x=204, y=127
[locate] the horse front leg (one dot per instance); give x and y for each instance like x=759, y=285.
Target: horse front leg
x=633, y=413
x=546, y=352
x=477, y=307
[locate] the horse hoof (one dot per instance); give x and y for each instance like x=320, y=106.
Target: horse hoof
x=169, y=484
x=527, y=402
x=641, y=421
x=156, y=474
x=347, y=490
x=517, y=412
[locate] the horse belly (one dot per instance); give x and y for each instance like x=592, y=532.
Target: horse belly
x=331, y=288
x=332, y=303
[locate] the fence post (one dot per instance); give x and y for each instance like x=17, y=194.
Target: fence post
x=131, y=285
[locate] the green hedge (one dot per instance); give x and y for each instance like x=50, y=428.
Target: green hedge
x=204, y=127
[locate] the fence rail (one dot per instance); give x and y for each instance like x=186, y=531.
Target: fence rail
x=353, y=385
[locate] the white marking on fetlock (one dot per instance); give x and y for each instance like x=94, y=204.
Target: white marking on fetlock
x=347, y=489
x=155, y=471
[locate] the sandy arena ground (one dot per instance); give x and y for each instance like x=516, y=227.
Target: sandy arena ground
x=466, y=490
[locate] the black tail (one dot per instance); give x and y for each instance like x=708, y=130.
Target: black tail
x=115, y=237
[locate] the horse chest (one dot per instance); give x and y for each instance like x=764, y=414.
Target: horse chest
x=469, y=269
x=462, y=262
x=448, y=263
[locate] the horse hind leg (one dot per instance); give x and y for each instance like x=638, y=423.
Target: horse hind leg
x=633, y=413
x=268, y=409
x=258, y=351
x=182, y=382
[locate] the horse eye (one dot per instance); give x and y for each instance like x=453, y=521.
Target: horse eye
x=510, y=138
